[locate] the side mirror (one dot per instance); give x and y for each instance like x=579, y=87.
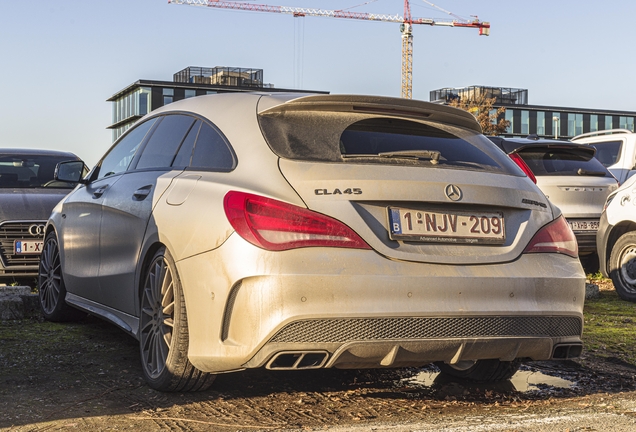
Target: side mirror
x=69, y=171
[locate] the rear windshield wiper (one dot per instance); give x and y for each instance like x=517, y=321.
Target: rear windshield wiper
x=432, y=155
x=584, y=172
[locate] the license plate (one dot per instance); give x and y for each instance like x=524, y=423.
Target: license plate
x=28, y=247
x=584, y=225
x=446, y=227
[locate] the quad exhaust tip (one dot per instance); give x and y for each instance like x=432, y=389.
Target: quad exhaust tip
x=298, y=360
x=567, y=351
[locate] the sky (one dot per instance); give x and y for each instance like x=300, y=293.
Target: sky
x=60, y=60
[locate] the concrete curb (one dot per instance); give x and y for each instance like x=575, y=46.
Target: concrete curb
x=18, y=303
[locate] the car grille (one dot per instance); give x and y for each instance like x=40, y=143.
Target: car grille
x=11, y=231
x=370, y=329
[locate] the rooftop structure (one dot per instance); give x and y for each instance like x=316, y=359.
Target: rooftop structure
x=141, y=97
x=503, y=95
x=545, y=121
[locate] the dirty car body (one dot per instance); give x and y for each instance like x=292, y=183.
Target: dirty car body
x=294, y=232
x=28, y=193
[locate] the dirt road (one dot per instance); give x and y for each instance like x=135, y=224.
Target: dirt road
x=87, y=375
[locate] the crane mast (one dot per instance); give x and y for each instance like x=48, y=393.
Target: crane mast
x=406, y=25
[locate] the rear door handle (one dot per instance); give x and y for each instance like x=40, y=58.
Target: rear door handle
x=99, y=192
x=141, y=193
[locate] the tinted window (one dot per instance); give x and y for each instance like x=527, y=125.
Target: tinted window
x=212, y=151
x=562, y=162
x=608, y=152
x=164, y=142
x=31, y=171
x=394, y=138
x=184, y=156
x=360, y=138
x=122, y=153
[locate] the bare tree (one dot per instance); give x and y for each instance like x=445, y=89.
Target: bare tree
x=482, y=108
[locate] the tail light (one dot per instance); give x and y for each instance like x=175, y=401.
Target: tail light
x=555, y=237
x=524, y=166
x=274, y=225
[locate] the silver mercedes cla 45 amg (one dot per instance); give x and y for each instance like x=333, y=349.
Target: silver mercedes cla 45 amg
x=290, y=231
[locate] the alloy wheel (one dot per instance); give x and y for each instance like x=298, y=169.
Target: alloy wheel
x=157, y=316
x=50, y=279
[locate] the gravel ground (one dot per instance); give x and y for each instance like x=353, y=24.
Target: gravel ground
x=87, y=375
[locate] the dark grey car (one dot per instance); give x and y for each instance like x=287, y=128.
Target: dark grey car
x=28, y=194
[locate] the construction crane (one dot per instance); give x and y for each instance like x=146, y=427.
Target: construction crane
x=406, y=24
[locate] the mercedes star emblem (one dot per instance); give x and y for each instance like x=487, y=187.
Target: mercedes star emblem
x=453, y=192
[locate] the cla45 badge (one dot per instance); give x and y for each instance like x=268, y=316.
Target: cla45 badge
x=348, y=191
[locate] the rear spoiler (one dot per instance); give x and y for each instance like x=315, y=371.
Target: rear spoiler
x=380, y=105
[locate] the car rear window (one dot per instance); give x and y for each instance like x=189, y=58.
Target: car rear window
x=364, y=138
x=31, y=171
x=608, y=152
x=562, y=162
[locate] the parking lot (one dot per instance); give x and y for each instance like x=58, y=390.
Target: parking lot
x=88, y=375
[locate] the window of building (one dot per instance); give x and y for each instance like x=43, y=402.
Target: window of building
x=525, y=122
x=136, y=103
x=627, y=123
x=609, y=122
x=510, y=119
x=540, y=123
x=168, y=96
x=593, y=122
x=144, y=106
x=575, y=124
x=211, y=92
x=190, y=93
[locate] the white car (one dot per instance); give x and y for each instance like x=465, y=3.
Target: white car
x=237, y=231
x=615, y=149
x=616, y=240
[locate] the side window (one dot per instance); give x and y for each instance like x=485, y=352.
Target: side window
x=184, y=156
x=164, y=142
x=212, y=151
x=120, y=156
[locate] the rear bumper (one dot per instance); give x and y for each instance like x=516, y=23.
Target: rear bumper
x=246, y=306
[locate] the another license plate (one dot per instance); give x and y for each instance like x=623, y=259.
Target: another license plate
x=446, y=227
x=28, y=247
x=583, y=225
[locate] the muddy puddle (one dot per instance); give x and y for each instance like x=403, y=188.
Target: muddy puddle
x=522, y=381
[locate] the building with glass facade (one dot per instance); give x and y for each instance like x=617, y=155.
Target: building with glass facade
x=143, y=96
x=544, y=121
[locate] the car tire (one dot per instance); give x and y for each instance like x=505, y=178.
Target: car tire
x=622, y=266
x=491, y=370
x=163, y=330
x=51, y=287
